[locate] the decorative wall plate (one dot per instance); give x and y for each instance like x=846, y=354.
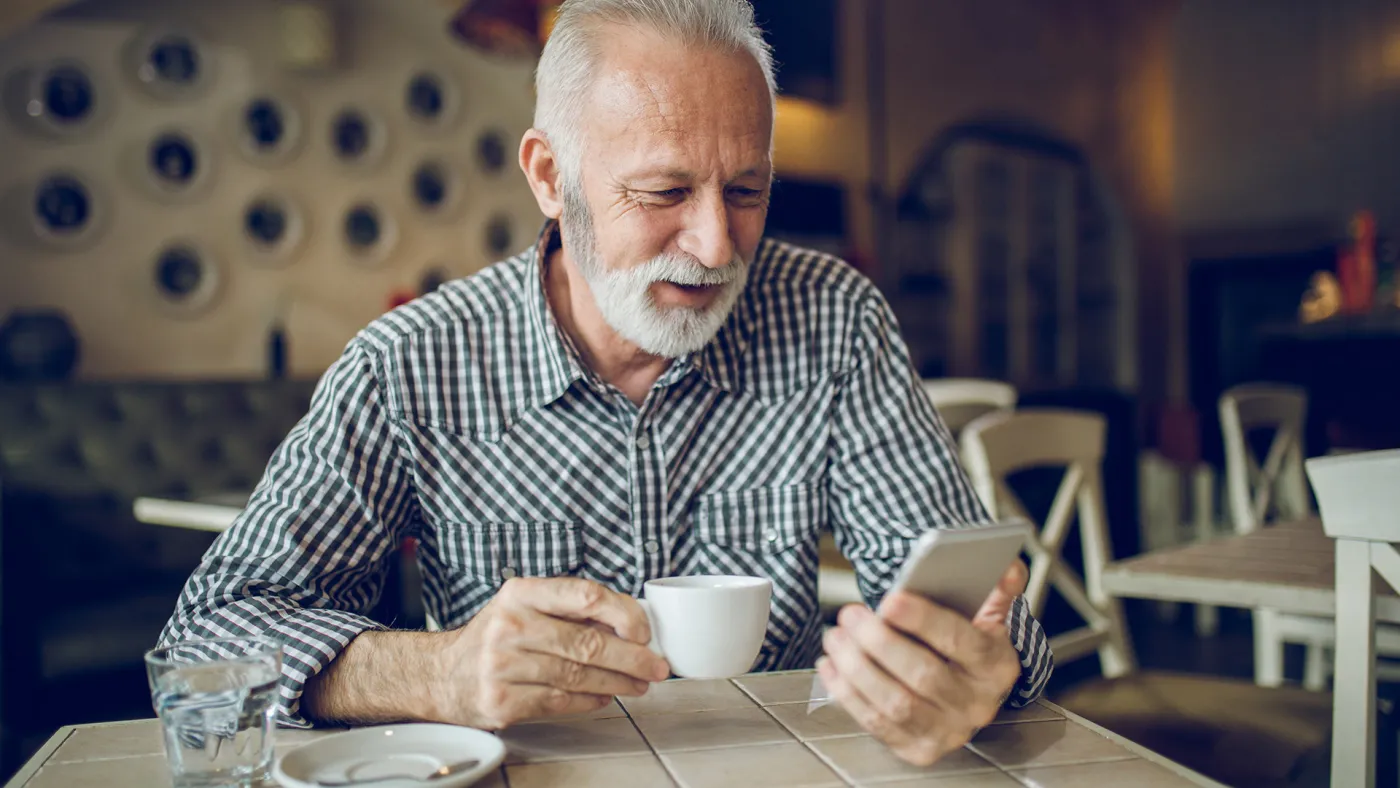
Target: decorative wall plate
x=185, y=279
x=274, y=228
x=65, y=210
x=369, y=233
x=268, y=128
x=435, y=189
x=173, y=164
x=61, y=99
x=431, y=99
x=492, y=152
x=499, y=237
x=357, y=137
x=169, y=64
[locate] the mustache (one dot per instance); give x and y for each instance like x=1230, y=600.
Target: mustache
x=683, y=269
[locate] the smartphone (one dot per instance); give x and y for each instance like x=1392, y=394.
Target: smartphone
x=959, y=567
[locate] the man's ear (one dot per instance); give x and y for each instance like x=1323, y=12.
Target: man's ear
x=542, y=172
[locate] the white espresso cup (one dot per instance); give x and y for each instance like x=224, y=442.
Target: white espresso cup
x=708, y=626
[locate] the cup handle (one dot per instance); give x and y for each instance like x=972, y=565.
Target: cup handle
x=655, y=644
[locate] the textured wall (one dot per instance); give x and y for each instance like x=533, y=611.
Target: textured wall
x=1287, y=112
x=106, y=280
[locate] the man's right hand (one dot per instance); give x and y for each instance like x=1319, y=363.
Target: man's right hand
x=543, y=647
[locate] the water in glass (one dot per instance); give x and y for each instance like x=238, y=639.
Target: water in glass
x=217, y=720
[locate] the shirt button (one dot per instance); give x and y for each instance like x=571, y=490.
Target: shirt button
x=652, y=546
x=771, y=535
x=508, y=572
x=643, y=442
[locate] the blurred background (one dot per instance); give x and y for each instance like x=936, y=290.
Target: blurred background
x=1122, y=207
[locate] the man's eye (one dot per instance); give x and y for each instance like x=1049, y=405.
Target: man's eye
x=746, y=195
x=669, y=194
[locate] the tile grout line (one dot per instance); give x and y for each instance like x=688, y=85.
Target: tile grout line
x=665, y=767
x=840, y=775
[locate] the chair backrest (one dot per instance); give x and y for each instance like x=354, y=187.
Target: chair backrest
x=1358, y=495
x=1257, y=493
x=960, y=400
x=1000, y=444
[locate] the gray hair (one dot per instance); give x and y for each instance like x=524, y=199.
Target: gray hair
x=566, y=67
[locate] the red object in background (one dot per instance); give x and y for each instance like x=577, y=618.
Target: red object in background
x=398, y=298
x=1346, y=278
x=500, y=27
x=1179, y=434
x=1363, y=229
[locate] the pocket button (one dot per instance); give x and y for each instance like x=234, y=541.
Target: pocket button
x=508, y=572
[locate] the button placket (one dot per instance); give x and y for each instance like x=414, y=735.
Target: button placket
x=648, y=501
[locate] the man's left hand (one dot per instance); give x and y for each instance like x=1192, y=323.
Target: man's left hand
x=920, y=677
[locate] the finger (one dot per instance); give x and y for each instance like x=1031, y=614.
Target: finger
x=941, y=629
x=591, y=646
x=553, y=671
x=582, y=600
x=905, y=712
x=997, y=606
x=918, y=668
x=918, y=752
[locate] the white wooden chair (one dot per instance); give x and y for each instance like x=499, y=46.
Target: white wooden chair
x=960, y=400
x=1259, y=493
x=1232, y=731
x=1359, y=499
x=1256, y=494
x=999, y=444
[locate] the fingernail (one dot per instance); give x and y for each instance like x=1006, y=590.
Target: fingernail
x=837, y=635
x=639, y=688
x=661, y=670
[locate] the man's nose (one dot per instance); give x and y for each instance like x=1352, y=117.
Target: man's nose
x=706, y=236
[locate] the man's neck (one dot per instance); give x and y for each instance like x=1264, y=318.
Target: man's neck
x=617, y=361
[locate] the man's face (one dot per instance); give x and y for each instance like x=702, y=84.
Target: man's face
x=674, y=189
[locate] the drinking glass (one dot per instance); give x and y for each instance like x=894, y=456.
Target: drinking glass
x=215, y=700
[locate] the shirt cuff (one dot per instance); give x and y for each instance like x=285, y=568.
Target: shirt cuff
x=1037, y=662
x=310, y=639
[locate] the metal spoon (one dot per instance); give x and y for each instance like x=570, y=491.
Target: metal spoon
x=443, y=773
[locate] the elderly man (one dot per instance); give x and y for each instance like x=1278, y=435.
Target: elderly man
x=652, y=390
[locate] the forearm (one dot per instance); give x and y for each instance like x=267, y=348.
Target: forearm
x=380, y=677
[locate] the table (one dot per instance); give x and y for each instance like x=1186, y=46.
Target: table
x=213, y=513
x=756, y=730
x=1289, y=567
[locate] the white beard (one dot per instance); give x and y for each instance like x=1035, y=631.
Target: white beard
x=624, y=297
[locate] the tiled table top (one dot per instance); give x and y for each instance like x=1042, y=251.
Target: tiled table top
x=757, y=730
x=1289, y=567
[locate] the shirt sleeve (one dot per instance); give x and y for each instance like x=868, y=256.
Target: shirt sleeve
x=310, y=554
x=895, y=474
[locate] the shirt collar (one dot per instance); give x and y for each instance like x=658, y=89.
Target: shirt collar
x=561, y=364
x=558, y=361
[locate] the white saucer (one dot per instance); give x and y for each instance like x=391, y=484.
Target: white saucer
x=417, y=749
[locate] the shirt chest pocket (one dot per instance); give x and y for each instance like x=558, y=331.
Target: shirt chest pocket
x=493, y=553
x=766, y=521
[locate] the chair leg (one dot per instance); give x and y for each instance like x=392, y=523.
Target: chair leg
x=1203, y=523
x=1207, y=621
x=1354, y=693
x=1315, y=667
x=1268, y=650
x=1160, y=514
